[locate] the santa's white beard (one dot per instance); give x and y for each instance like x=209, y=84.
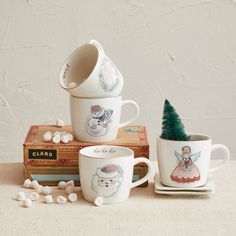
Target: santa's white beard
x=104, y=191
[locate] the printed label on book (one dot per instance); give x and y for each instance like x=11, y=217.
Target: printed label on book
x=42, y=154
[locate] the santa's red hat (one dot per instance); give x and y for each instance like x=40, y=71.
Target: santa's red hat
x=109, y=171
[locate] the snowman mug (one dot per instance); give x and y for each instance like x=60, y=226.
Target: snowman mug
x=88, y=72
x=107, y=171
x=98, y=119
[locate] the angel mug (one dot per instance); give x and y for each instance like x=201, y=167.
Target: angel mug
x=186, y=163
x=107, y=171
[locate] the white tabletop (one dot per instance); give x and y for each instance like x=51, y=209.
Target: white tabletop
x=145, y=213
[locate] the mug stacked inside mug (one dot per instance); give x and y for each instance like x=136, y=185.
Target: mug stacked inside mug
x=95, y=85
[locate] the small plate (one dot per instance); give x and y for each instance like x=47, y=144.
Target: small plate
x=208, y=188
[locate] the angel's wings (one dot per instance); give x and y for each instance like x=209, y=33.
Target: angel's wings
x=178, y=156
x=195, y=156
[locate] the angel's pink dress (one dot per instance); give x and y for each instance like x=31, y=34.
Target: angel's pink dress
x=185, y=173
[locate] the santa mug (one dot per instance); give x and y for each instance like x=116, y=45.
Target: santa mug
x=88, y=72
x=107, y=172
x=98, y=119
x=186, y=163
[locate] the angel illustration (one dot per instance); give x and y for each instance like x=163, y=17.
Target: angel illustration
x=186, y=171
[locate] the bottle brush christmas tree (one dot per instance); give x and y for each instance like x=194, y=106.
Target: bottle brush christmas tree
x=172, y=126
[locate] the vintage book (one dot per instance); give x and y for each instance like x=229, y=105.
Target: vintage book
x=40, y=153
x=51, y=175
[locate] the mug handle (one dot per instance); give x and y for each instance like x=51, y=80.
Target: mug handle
x=131, y=119
x=147, y=176
x=96, y=44
x=224, y=161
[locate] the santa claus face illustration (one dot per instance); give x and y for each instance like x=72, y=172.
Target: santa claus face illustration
x=107, y=180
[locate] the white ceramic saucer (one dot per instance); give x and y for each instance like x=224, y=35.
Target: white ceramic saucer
x=208, y=188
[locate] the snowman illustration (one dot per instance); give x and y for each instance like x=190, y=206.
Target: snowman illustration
x=99, y=120
x=107, y=180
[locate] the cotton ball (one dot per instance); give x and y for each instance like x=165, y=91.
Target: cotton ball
x=65, y=138
x=47, y=136
x=70, y=183
x=59, y=123
x=72, y=197
x=71, y=138
x=48, y=199
x=34, y=184
x=27, y=202
x=98, y=201
x=46, y=190
x=39, y=188
x=62, y=185
x=56, y=138
x=34, y=196
x=27, y=183
x=57, y=133
x=61, y=199
x=69, y=189
x=20, y=196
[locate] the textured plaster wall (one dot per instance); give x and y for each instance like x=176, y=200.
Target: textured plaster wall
x=183, y=50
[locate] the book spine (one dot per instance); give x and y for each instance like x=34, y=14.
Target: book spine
x=64, y=155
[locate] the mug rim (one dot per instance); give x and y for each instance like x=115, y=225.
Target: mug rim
x=204, y=136
x=95, y=98
x=69, y=58
x=131, y=154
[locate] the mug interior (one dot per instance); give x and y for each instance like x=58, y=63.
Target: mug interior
x=81, y=65
x=106, y=152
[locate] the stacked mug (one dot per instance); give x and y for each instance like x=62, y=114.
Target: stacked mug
x=95, y=85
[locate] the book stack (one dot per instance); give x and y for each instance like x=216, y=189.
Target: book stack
x=50, y=163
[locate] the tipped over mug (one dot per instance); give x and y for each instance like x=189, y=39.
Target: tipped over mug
x=89, y=73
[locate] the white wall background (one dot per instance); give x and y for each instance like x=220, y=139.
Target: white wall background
x=183, y=50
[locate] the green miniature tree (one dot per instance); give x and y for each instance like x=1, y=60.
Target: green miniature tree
x=172, y=126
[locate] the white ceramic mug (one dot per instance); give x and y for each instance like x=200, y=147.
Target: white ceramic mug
x=98, y=119
x=186, y=163
x=88, y=72
x=107, y=172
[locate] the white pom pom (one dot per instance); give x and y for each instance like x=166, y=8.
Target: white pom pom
x=39, y=188
x=98, y=201
x=61, y=199
x=27, y=183
x=71, y=138
x=59, y=123
x=72, y=197
x=69, y=189
x=20, y=196
x=65, y=138
x=34, y=184
x=62, y=185
x=48, y=199
x=27, y=202
x=34, y=196
x=56, y=138
x=47, y=136
x=46, y=190
x=57, y=133
x=70, y=183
